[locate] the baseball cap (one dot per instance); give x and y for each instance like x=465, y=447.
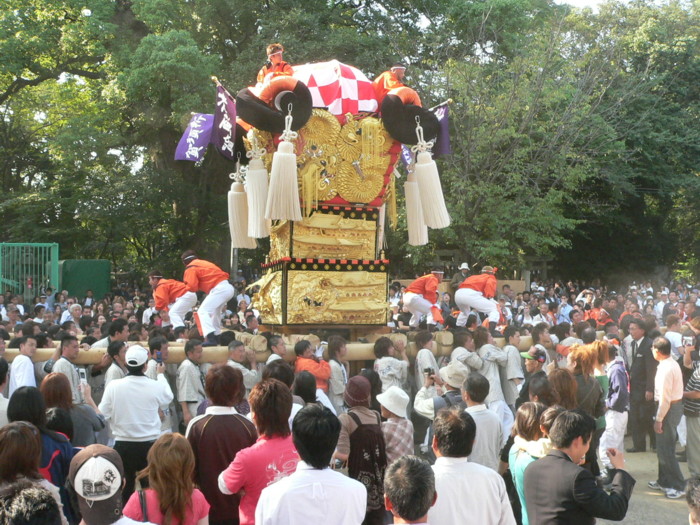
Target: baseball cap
x=96, y=474
x=136, y=355
x=536, y=354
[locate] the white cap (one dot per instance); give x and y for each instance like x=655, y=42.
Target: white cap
x=136, y=355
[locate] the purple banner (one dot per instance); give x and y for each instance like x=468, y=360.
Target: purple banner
x=442, y=143
x=195, y=139
x=224, y=134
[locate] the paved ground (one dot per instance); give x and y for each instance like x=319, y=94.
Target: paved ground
x=646, y=505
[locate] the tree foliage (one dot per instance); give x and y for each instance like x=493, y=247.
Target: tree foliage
x=574, y=133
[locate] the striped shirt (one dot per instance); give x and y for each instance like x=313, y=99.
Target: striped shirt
x=691, y=407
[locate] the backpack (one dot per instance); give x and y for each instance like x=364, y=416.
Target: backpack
x=367, y=461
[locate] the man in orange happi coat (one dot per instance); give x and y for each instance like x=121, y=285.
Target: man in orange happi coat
x=477, y=293
x=171, y=296
x=421, y=297
x=389, y=80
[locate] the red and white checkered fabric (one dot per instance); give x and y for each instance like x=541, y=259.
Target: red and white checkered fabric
x=339, y=87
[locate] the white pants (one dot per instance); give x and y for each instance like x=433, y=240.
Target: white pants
x=179, y=309
x=682, y=430
x=505, y=414
x=213, y=306
x=468, y=299
x=418, y=307
x=613, y=436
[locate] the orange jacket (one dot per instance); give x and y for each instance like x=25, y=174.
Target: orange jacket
x=321, y=370
x=426, y=286
x=201, y=275
x=385, y=83
x=167, y=291
x=485, y=283
x=276, y=69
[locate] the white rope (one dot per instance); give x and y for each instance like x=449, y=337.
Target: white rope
x=288, y=134
x=422, y=145
x=256, y=152
x=237, y=176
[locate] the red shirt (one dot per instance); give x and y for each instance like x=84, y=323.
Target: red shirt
x=485, y=283
x=201, y=275
x=167, y=291
x=426, y=286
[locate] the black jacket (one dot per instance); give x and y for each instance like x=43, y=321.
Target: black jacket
x=642, y=370
x=559, y=492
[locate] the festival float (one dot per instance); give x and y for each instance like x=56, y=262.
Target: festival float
x=316, y=158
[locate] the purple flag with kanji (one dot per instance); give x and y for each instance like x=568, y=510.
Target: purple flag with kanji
x=224, y=134
x=442, y=143
x=195, y=139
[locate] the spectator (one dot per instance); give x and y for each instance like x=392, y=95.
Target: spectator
x=361, y=444
x=238, y=357
x=392, y=371
x=282, y=371
x=642, y=370
x=397, y=430
x=4, y=369
x=489, y=438
x=617, y=403
x=172, y=496
x=98, y=466
x=557, y=490
x=529, y=444
x=190, y=381
x=409, y=490
x=305, y=387
x=159, y=352
x=131, y=405
x=425, y=359
x=20, y=454
x=535, y=359
x=540, y=390
x=692, y=494
x=427, y=402
x=337, y=352
x=27, y=404
x=296, y=500
x=565, y=387
x=85, y=416
x=22, y=366
x=271, y=458
x=216, y=438
x=465, y=488
x=306, y=360
x=25, y=503
x=668, y=392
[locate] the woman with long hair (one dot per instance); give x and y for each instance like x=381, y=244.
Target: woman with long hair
x=305, y=387
x=589, y=396
x=565, y=386
x=86, y=417
x=20, y=454
x=27, y=404
x=171, y=498
x=337, y=351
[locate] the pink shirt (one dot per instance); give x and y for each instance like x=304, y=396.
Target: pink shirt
x=198, y=510
x=256, y=467
x=668, y=386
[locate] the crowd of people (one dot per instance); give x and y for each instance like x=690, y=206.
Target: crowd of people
x=490, y=431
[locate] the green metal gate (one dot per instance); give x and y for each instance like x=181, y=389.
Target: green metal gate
x=28, y=268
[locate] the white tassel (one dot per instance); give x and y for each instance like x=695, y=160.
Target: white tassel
x=238, y=217
x=417, y=229
x=256, y=191
x=283, y=195
x=434, y=209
